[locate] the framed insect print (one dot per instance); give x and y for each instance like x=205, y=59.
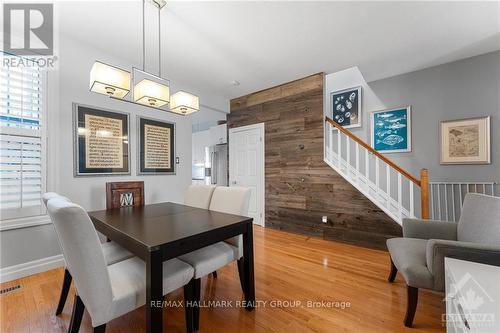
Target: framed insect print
x=101, y=141
x=391, y=130
x=156, y=147
x=345, y=107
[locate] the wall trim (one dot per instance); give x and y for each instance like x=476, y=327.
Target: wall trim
x=29, y=268
x=24, y=222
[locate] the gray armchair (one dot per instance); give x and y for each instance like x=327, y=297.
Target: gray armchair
x=419, y=254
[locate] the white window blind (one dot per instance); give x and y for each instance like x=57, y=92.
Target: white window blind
x=22, y=146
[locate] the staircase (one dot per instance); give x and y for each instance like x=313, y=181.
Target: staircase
x=391, y=188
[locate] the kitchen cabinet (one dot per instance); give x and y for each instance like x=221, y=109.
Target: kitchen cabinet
x=218, y=134
x=200, y=140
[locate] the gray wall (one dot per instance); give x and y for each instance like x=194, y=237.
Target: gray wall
x=69, y=84
x=461, y=89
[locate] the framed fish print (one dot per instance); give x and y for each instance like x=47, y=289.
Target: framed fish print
x=346, y=107
x=156, y=147
x=466, y=141
x=101, y=141
x=391, y=130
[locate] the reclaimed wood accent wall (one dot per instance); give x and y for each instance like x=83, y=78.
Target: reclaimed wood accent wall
x=300, y=187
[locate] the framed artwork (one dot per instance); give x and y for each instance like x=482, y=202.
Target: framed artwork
x=466, y=141
x=346, y=107
x=156, y=147
x=391, y=130
x=101, y=144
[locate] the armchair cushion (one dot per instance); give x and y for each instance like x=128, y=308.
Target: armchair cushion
x=438, y=249
x=427, y=229
x=480, y=219
x=408, y=255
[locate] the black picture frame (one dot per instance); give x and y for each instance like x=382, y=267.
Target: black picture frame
x=143, y=169
x=81, y=168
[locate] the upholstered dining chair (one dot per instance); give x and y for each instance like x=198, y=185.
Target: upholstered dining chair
x=107, y=291
x=419, y=254
x=199, y=196
x=231, y=200
x=112, y=252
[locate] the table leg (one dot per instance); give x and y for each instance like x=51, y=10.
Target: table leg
x=248, y=267
x=154, y=292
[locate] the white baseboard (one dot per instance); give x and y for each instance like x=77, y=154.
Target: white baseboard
x=29, y=268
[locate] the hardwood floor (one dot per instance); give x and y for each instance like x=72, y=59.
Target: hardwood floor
x=288, y=268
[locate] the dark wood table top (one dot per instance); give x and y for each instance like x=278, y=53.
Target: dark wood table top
x=154, y=225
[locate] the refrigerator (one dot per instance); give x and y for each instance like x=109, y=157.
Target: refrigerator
x=217, y=165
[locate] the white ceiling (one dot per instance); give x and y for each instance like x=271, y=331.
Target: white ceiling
x=260, y=44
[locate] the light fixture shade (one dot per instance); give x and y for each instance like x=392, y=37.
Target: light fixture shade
x=151, y=93
x=184, y=103
x=109, y=80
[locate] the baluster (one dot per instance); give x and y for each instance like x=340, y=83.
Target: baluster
x=339, y=148
x=348, y=167
x=388, y=182
x=446, y=201
x=439, y=201
x=367, y=167
x=453, y=200
x=330, y=140
x=357, y=161
x=377, y=176
x=432, y=200
x=412, y=201
x=400, y=196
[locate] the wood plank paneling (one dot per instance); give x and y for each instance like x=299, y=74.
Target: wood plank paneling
x=300, y=187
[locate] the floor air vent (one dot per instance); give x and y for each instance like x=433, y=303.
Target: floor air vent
x=8, y=290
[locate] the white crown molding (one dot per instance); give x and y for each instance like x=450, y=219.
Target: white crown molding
x=29, y=268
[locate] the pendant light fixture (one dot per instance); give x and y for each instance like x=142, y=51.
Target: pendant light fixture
x=148, y=89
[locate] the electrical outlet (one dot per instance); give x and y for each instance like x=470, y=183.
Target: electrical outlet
x=324, y=219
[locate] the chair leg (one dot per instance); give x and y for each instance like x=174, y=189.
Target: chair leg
x=188, y=305
x=64, y=291
x=76, y=316
x=100, y=329
x=196, y=303
x=241, y=273
x=392, y=274
x=214, y=274
x=411, y=306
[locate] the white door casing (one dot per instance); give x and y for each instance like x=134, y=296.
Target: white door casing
x=246, y=166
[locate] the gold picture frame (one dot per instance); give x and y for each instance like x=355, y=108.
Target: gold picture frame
x=466, y=141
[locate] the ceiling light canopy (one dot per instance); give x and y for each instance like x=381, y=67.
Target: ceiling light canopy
x=184, y=103
x=116, y=82
x=109, y=80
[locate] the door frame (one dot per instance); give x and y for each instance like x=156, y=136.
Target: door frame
x=262, y=129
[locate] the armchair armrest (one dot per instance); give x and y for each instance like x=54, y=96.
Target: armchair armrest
x=438, y=249
x=429, y=229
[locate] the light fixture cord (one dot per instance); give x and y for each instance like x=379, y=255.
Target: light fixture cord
x=143, y=37
x=159, y=40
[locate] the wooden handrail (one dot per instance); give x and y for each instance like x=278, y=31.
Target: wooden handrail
x=374, y=152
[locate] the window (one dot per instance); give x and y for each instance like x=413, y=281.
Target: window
x=22, y=141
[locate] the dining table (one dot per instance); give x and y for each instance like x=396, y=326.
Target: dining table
x=162, y=231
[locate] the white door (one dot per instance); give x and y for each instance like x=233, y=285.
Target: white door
x=246, y=165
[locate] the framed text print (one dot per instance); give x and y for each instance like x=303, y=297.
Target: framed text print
x=156, y=146
x=391, y=130
x=101, y=141
x=346, y=107
x=466, y=141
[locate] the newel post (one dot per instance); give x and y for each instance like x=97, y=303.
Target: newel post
x=424, y=193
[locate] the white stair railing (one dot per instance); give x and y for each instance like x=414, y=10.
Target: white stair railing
x=392, y=189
